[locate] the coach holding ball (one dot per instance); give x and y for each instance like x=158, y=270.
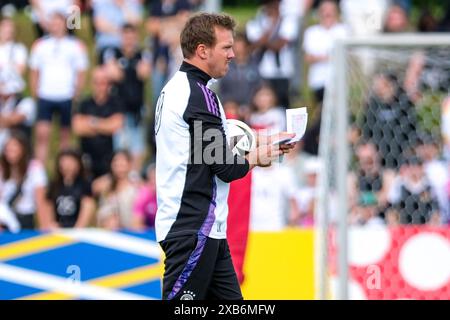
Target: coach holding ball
x=195, y=164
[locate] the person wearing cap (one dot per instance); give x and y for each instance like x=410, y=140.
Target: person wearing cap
x=58, y=64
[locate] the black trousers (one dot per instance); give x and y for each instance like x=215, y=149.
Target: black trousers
x=200, y=268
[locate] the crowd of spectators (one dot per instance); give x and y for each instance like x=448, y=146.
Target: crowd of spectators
x=103, y=171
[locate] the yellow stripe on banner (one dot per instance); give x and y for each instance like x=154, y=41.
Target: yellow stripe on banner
x=127, y=278
x=33, y=245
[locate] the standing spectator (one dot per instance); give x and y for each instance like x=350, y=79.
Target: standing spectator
x=242, y=79
x=129, y=67
x=273, y=36
x=145, y=205
x=164, y=13
x=267, y=115
x=389, y=120
x=109, y=18
x=13, y=55
x=23, y=184
x=69, y=195
x=116, y=203
x=296, y=10
x=435, y=169
x=41, y=11
x=16, y=112
x=366, y=212
x=58, y=65
x=413, y=196
x=318, y=43
x=98, y=118
x=397, y=20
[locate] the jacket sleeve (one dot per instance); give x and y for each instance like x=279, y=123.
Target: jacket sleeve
x=209, y=145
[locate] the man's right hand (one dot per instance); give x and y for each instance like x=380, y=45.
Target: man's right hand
x=264, y=155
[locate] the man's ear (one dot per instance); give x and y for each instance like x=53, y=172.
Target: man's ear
x=202, y=51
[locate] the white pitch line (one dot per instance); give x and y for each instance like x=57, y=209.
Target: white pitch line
x=53, y=283
x=114, y=240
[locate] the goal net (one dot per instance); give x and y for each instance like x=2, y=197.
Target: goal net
x=385, y=142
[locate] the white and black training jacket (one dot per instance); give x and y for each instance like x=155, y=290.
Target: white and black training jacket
x=192, y=195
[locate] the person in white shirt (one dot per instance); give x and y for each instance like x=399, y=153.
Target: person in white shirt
x=266, y=115
x=58, y=64
x=272, y=198
x=41, y=11
x=318, y=43
x=296, y=10
x=16, y=111
x=23, y=185
x=273, y=36
x=13, y=55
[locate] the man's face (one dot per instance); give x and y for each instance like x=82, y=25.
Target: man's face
x=220, y=55
x=57, y=25
x=129, y=38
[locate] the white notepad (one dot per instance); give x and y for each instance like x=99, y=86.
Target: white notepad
x=296, y=121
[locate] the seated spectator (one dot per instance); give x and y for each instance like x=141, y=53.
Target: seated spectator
x=13, y=55
x=392, y=217
x=369, y=176
x=272, y=36
x=23, y=185
x=96, y=121
x=70, y=197
x=272, y=198
x=307, y=195
x=241, y=81
x=266, y=114
x=364, y=18
x=116, y=201
x=109, y=18
x=389, y=120
x=145, y=206
x=366, y=213
x=413, y=196
x=16, y=111
x=436, y=170
x=129, y=67
x=58, y=64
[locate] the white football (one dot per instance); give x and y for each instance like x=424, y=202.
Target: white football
x=241, y=137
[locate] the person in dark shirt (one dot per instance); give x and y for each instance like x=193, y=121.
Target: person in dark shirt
x=163, y=12
x=239, y=85
x=389, y=121
x=97, y=119
x=129, y=67
x=70, y=193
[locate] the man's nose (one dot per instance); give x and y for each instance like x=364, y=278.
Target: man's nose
x=231, y=55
